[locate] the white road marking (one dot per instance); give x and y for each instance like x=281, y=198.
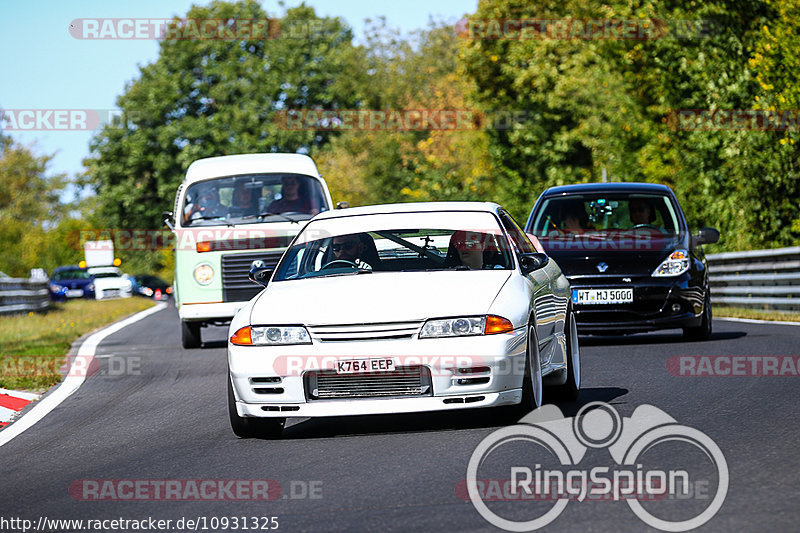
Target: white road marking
x=756, y=321
x=72, y=382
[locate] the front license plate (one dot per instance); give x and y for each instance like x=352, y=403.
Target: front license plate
x=74, y=293
x=355, y=366
x=602, y=296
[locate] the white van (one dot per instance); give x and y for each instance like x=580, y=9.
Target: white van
x=230, y=211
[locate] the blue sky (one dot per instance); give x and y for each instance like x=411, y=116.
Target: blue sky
x=43, y=67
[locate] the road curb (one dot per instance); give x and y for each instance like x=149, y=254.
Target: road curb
x=84, y=347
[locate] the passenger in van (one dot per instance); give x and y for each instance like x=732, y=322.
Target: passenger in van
x=294, y=198
x=244, y=201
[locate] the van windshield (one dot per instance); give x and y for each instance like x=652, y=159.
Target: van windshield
x=252, y=198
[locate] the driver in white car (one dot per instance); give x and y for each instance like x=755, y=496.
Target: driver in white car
x=350, y=248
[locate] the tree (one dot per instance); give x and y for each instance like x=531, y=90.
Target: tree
x=29, y=206
x=207, y=97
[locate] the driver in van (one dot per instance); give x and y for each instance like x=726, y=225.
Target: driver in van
x=204, y=205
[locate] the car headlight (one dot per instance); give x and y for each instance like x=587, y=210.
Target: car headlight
x=203, y=274
x=270, y=336
x=90, y=287
x=676, y=264
x=464, y=326
x=57, y=289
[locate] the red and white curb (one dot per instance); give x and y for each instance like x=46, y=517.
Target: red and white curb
x=12, y=402
x=74, y=380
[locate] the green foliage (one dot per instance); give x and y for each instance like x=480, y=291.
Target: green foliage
x=610, y=104
x=208, y=97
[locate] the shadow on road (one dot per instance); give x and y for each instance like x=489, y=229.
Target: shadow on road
x=317, y=428
x=653, y=338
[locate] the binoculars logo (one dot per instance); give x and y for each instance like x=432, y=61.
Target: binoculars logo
x=566, y=440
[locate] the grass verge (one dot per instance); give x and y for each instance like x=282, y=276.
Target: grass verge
x=33, y=346
x=758, y=314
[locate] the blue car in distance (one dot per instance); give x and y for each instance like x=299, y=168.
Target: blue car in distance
x=71, y=282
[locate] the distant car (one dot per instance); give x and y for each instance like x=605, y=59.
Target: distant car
x=151, y=287
x=71, y=282
x=398, y=309
x=109, y=282
x=631, y=260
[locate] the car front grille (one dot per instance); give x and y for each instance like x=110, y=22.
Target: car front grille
x=236, y=285
x=364, y=332
x=402, y=382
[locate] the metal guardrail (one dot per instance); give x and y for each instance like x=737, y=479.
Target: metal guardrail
x=759, y=279
x=19, y=295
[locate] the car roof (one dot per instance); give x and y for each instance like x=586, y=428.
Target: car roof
x=234, y=165
x=409, y=207
x=631, y=186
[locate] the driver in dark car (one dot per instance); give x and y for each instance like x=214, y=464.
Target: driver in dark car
x=641, y=212
x=349, y=248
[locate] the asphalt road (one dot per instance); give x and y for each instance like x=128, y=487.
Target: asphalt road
x=158, y=412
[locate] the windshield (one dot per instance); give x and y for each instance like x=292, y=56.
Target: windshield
x=396, y=250
x=606, y=216
x=63, y=275
x=252, y=199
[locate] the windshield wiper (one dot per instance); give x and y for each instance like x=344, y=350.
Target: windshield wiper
x=212, y=217
x=265, y=215
x=351, y=273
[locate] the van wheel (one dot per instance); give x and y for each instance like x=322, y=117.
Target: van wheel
x=248, y=427
x=190, y=334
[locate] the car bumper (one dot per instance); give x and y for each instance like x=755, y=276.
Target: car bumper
x=496, y=364
x=657, y=304
x=209, y=312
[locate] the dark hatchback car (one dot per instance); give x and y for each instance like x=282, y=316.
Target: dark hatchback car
x=151, y=287
x=629, y=256
x=71, y=282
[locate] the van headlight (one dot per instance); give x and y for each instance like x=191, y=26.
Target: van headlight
x=204, y=274
x=676, y=264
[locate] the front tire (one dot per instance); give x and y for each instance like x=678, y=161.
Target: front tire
x=569, y=391
x=532, y=379
x=190, y=335
x=248, y=427
x=703, y=331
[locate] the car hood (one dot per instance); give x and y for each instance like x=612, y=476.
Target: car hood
x=588, y=258
x=378, y=297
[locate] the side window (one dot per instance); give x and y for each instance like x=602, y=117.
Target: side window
x=521, y=240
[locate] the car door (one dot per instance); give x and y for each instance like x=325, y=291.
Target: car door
x=549, y=308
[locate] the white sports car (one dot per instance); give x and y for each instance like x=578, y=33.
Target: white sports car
x=401, y=308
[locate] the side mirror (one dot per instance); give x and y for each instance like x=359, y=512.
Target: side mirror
x=342, y=205
x=532, y=261
x=260, y=272
x=706, y=236
x=166, y=219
